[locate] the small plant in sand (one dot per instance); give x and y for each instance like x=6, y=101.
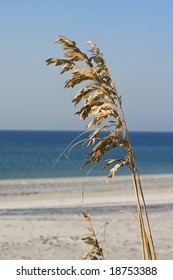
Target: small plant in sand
x=95, y=252
x=103, y=105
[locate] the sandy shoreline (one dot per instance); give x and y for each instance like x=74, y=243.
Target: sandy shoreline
x=41, y=218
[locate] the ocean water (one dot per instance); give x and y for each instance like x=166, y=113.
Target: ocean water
x=34, y=154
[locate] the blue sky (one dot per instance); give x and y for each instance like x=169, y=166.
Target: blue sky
x=135, y=36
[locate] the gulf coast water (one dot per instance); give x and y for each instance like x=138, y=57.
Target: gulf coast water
x=34, y=154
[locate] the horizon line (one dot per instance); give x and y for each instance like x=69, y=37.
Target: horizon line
x=78, y=130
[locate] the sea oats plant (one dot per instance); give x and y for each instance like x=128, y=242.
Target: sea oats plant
x=103, y=105
x=95, y=252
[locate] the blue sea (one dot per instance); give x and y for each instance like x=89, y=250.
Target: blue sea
x=34, y=154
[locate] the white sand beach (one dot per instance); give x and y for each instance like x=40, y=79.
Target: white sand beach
x=41, y=218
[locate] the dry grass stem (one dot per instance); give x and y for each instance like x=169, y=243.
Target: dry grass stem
x=95, y=252
x=102, y=104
